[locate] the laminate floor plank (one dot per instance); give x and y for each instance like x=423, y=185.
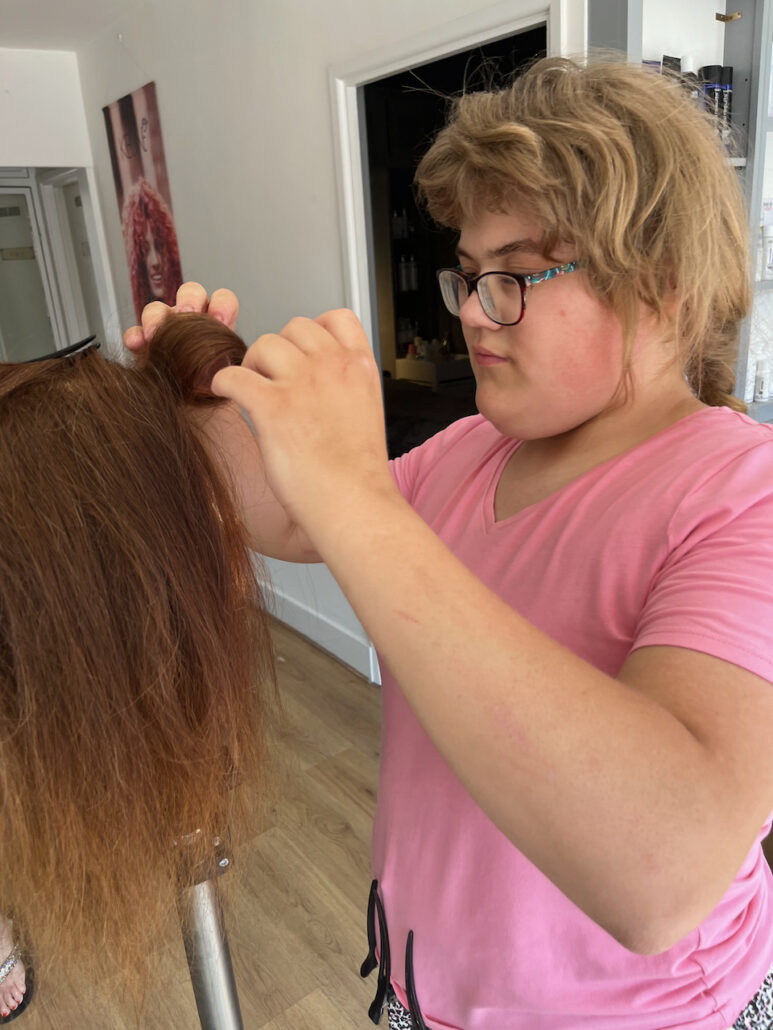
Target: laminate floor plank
x=315, y=1011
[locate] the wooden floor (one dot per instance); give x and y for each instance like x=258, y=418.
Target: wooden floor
x=297, y=934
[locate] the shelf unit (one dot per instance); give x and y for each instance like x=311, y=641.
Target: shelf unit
x=748, y=47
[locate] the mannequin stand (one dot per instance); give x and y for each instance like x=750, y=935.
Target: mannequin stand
x=206, y=945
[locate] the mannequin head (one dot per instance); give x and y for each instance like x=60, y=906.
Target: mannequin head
x=135, y=659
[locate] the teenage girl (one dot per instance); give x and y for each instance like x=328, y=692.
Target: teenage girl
x=572, y=592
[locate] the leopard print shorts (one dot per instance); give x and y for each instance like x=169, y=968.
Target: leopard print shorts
x=399, y=1018
x=758, y=1014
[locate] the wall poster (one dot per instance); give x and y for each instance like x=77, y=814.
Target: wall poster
x=144, y=201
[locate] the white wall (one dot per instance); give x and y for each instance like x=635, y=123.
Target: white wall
x=248, y=132
x=42, y=121
x=681, y=27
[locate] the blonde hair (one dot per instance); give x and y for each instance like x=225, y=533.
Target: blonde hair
x=623, y=164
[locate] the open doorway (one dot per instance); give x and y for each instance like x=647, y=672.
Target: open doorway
x=428, y=381
x=55, y=287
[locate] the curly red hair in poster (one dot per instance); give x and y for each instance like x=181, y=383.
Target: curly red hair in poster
x=151, y=246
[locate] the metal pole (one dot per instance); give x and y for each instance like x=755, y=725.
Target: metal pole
x=206, y=946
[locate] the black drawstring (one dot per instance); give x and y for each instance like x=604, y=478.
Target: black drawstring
x=384, y=963
x=410, y=987
x=371, y=961
x=376, y=1009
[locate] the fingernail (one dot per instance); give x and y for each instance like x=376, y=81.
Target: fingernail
x=219, y=318
x=186, y=307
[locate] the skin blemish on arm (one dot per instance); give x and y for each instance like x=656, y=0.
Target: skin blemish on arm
x=407, y=616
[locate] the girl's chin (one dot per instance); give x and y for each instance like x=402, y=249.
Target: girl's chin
x=522, y=423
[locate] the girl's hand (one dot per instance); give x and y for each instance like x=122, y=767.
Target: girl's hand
x=313, y=393
x=222, y=305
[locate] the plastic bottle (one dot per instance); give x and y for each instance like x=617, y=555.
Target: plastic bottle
x=413, y=274
x=402, y=275
x=762, y=380
x=767, y=252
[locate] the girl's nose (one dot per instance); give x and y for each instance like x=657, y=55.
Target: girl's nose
x=472, y=314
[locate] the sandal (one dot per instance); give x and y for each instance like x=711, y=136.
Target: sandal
x=29, y=979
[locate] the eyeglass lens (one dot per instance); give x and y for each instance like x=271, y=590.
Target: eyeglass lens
x=501, y=296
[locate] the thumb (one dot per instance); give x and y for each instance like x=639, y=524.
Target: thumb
x=239, y=384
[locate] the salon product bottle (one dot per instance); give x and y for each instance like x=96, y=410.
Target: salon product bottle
x=762, y=380
x=399, y=225
x=767, y=252
x=759, y=267
x=726, y=84
x=689, y=78
x=402, y=275
x=413, y=274
x=709, y=77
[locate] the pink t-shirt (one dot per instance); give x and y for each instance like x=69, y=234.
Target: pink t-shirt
x=669, y=543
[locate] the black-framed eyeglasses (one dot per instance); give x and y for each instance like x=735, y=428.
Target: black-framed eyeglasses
x=90, y=343
x=502, y=295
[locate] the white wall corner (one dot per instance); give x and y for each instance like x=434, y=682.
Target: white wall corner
x=572, y=29
x=332, y=636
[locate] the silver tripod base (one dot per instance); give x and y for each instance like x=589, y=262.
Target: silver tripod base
x=209, y=958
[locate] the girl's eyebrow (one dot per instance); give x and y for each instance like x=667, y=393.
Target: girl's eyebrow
x=527, y=245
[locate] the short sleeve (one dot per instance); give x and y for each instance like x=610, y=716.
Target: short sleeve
x=411, y=468
x=714, y=591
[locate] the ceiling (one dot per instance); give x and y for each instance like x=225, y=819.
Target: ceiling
x=56, y=24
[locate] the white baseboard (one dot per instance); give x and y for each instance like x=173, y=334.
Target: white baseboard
x=331, y=636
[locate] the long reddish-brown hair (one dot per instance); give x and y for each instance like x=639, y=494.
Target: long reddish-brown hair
x=135, y=659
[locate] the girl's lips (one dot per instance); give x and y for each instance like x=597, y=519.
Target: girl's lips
x=484, y=357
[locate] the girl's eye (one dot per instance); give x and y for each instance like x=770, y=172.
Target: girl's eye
x=508, y=285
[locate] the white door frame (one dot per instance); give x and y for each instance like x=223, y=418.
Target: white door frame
x=43, y=256
x=51, y=185
x=566, y=22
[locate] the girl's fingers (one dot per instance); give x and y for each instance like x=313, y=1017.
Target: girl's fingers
x=224, y=306
x=134, y=338
x=306, y=334
x=238, y=384
x=334, y=329
x=345, y=327
x=152, y=317
x=191, y=297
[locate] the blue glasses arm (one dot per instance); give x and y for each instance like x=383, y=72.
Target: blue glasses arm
x=550, y=273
